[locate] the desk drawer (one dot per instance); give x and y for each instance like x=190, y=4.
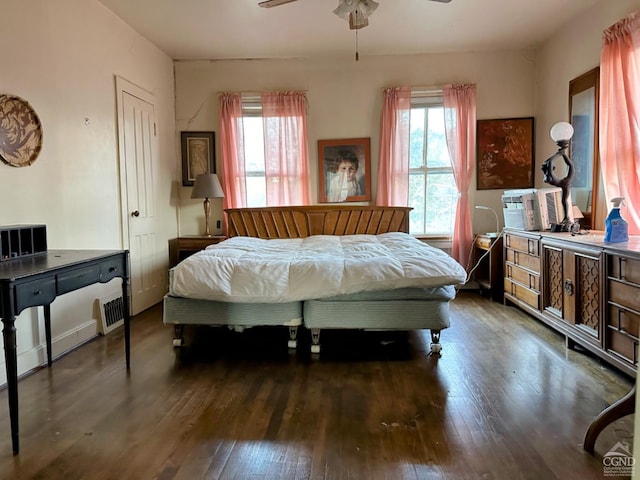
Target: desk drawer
x=111, y=269
x=35, y=293
x=75, y=279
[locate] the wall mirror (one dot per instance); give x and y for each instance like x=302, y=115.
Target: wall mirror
x=583, y=113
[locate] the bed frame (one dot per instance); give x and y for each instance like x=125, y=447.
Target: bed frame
x=303, y=221
x=418, y=309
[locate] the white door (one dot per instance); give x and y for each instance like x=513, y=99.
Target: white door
x=138, y=151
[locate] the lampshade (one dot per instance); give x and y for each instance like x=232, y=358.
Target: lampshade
x=561, y=131
x=207, y=185
x=347, y=7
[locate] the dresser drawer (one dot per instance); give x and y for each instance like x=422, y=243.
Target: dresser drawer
x=530, y=297
x=111, y=269
x=623, y=268
x=36, y=292
x=622, y=345
x=483, y=242
x=524, y=277
x=624, y=294
x=523, y=244
x=523, y=260
x=75, y=279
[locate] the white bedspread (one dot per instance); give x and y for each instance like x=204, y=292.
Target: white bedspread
x=252, y=270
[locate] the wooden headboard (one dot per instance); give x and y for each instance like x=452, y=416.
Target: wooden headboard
x=303, y=221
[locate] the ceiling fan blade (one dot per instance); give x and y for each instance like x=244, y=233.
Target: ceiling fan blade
x=274, y=3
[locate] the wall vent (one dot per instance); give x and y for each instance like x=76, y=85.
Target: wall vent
x=111, y=313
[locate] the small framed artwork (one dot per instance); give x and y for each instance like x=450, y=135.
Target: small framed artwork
x=344, y=170
x=198, y=155
x=505, y=153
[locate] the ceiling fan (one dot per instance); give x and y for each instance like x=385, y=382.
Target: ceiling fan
x=356, y=11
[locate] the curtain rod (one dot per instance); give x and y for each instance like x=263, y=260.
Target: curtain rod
x=424, y=91
x=258, y=93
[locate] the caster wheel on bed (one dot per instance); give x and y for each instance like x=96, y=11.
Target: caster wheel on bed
x=436, y=348
x=178, y=342
x=292, y=344
x=315, y=348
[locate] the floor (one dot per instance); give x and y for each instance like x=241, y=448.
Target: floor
x=506, y=400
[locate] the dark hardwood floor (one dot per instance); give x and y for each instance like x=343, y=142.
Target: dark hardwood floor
x=505, y=401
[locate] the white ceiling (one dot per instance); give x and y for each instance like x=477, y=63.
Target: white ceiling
x=227, y=29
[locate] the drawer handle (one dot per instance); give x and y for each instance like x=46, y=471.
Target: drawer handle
x=37, y=292
x=568, y=287
x=113, y=269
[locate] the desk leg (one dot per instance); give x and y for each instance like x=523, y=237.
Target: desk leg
x=624, y=406
x=126, y=313
x=47, y=331
x=11, y=359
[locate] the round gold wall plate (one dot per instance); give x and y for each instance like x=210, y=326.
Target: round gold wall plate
x=20, y=132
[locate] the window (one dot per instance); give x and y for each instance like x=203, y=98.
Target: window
x=266, y=160
x=432, y=189
x=253, y=131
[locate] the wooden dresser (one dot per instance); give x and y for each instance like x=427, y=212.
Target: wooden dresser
x=584, y=288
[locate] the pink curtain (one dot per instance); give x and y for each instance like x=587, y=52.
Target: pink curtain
x=232, y=146
x=393, y=164
x=286, y=148
x=620, y=116
x=460, y=128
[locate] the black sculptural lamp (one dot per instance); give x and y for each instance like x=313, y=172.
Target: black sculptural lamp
x=560, y=133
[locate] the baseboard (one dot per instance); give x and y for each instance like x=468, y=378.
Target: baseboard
x=37, y=356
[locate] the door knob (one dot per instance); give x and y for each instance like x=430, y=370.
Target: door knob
x=135, y=213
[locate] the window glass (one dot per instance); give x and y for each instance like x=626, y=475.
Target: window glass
x=432, y=190
x=254, y=160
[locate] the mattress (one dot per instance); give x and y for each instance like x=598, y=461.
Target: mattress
x=203, y=312
x=401, y=309
x=254, y=270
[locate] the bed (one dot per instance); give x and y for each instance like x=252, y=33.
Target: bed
x=321, y=267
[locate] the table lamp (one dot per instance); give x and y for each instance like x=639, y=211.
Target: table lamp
x=497, y=232
x=561, y=134
x=207, y=186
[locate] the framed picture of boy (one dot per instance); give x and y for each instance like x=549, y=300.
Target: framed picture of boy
x=344, y=170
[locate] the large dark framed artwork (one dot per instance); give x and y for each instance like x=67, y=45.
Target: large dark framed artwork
x=198, y=155
x=344, y=170
x=505, y=153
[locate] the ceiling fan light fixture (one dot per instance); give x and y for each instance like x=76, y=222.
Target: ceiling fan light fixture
x=357, y=21
x=345, y=7
x=355, y=11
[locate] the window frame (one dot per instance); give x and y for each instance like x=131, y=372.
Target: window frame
x=426, y=100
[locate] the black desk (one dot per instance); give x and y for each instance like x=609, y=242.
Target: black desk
x=37, y=280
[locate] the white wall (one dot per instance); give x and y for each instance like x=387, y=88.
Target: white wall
x=62, y=57
x=345, y=101
x=572, y=51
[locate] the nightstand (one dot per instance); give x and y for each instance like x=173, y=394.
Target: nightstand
x=181, y=247
x=488, y=274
